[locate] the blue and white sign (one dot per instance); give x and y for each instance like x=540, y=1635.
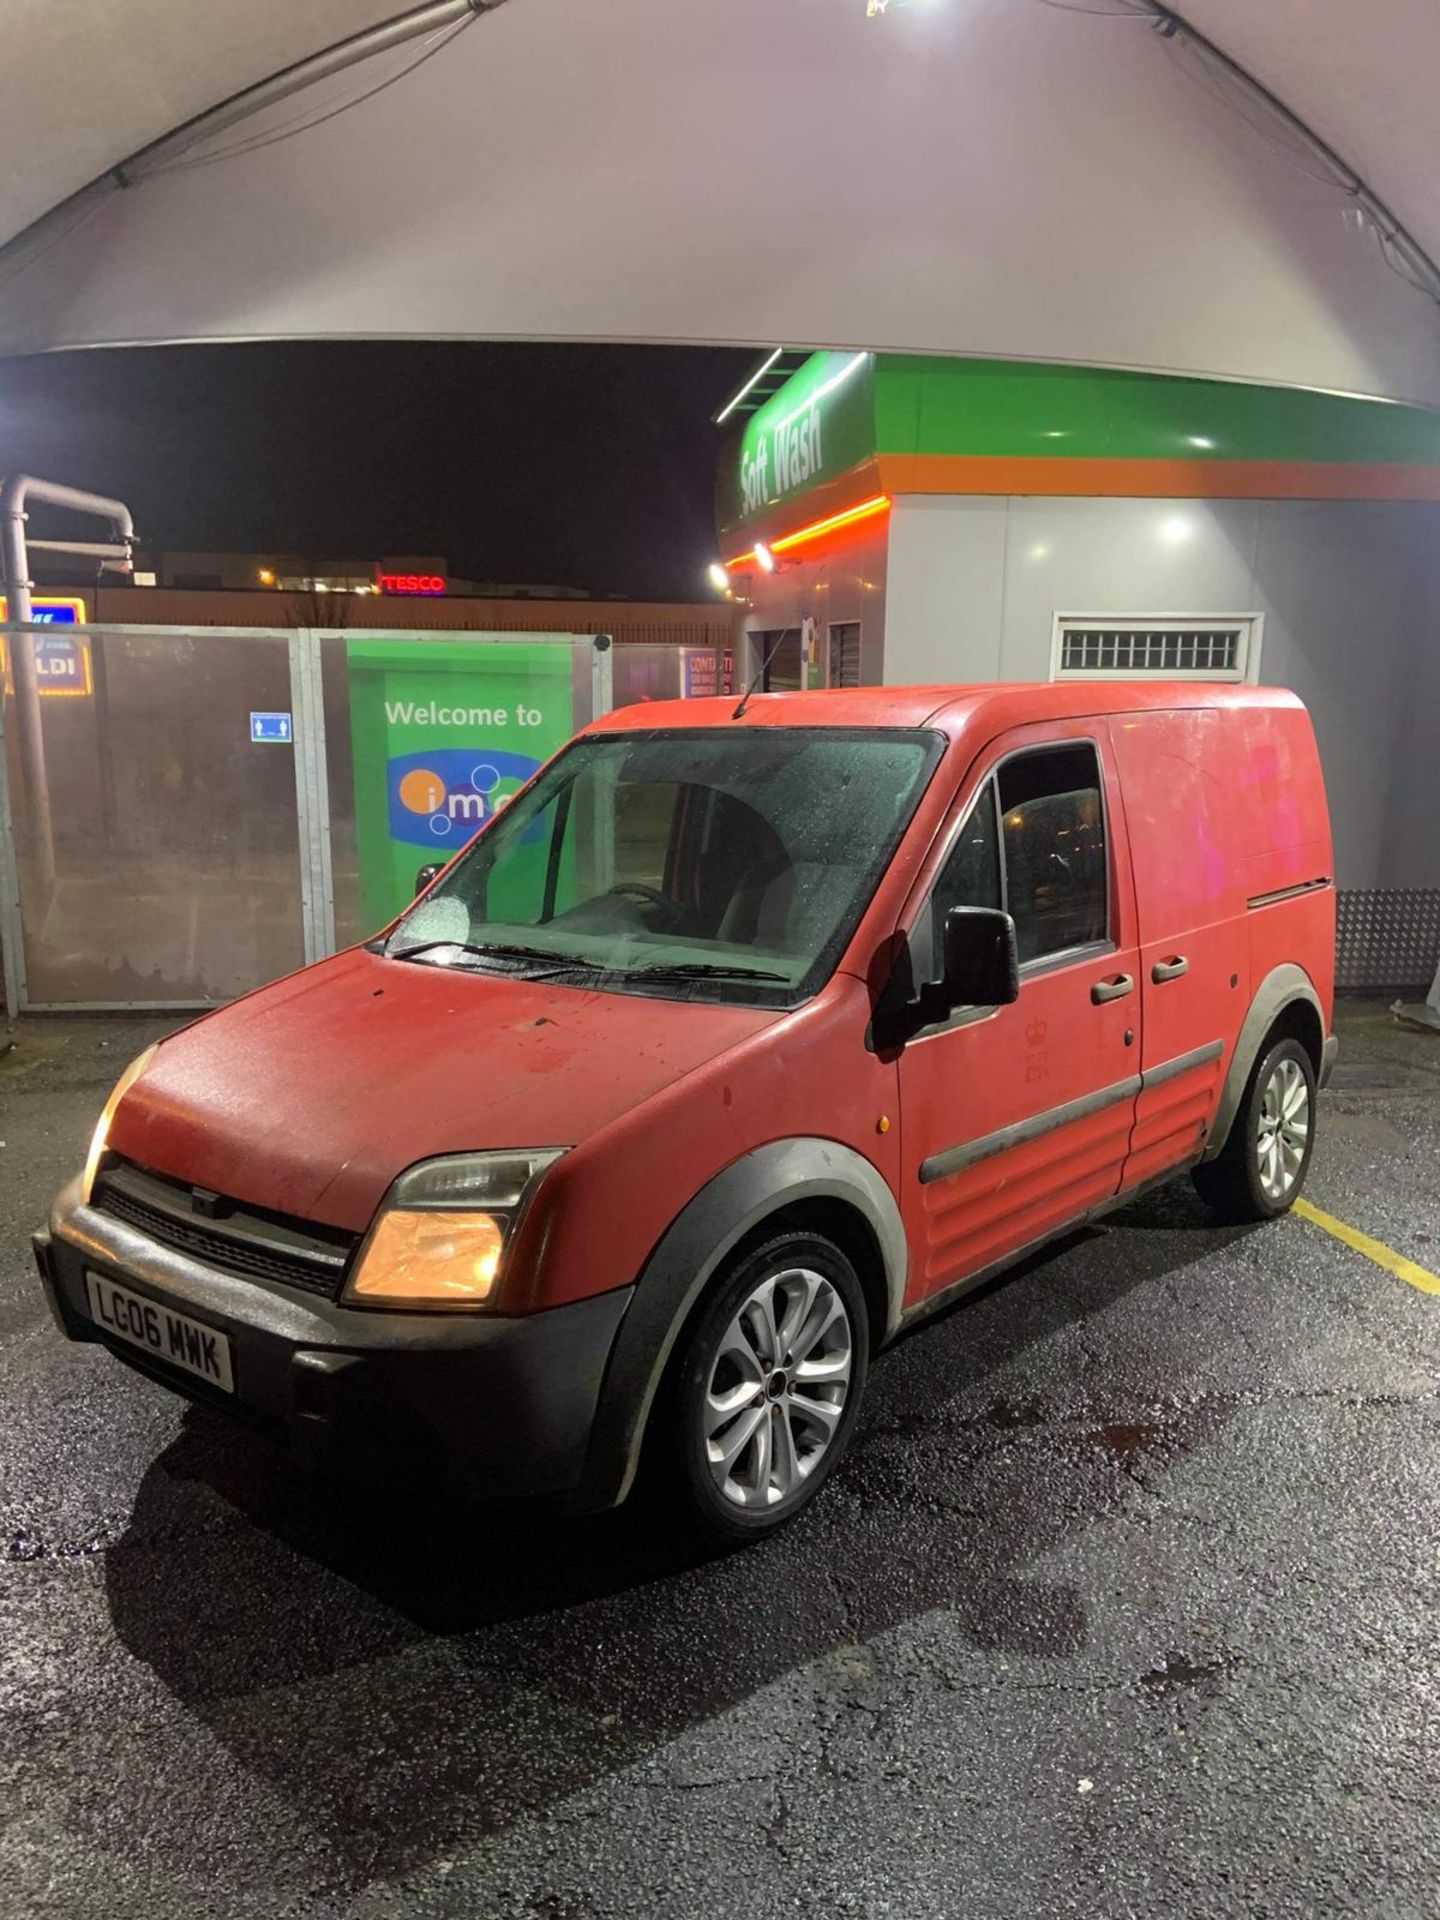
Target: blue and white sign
x=271, y=729
x=439, y=798
x=62, y=663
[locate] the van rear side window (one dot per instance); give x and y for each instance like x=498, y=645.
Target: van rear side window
x=1053, y=828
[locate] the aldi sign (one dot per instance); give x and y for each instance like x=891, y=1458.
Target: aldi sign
x=62, y=659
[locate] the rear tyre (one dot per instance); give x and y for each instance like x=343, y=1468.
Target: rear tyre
x=764, y=1389
x=1259, y=1172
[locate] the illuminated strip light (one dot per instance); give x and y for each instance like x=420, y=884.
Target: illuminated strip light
x=749, y=387
x=864, y=511
x=832, y=523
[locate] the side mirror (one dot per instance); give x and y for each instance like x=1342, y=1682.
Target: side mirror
x=980, y=968
x=426, y=875
x=982, y=965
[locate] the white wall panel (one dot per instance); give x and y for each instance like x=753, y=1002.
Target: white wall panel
x=1345, y=588
x=1412, y=856
x=945, y=590
x=1350, y=592
x=1160, y=556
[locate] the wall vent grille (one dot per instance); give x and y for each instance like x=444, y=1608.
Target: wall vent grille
x=1171, y=647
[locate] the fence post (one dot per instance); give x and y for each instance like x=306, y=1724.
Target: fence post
x=602, y=675
x=312, y=795
x=12, y=930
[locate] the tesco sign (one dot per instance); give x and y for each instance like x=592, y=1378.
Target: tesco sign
x=412, y=583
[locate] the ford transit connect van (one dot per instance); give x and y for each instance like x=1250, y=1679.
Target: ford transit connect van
x=745, y=1037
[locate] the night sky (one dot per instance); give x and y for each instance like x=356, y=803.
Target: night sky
x=578, y=466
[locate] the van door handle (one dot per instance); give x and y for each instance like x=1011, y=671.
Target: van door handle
x=1115, y=989
x=1164, y=970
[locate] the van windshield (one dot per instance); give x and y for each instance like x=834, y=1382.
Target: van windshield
x=707, y=863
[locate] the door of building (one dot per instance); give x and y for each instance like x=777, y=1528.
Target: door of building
x=844, y=660
x=779, y=651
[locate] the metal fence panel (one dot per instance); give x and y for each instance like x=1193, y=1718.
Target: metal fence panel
x=209, y=823
x=165, y=868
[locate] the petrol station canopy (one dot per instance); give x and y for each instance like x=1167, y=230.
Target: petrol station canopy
x=1236, y=191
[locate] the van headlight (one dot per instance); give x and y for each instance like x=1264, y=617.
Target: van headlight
x=440, y=1236
x=100, y=1139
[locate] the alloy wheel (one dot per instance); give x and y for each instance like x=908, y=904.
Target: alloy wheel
x=1284, y=1129
x=777, y=1387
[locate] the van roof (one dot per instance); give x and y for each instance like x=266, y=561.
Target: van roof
x=993, y=708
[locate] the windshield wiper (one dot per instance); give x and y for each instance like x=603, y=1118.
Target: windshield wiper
x=557, y=962
x=705, y=970
x=425, y=946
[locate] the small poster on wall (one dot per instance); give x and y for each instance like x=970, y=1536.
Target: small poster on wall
x=707, y=670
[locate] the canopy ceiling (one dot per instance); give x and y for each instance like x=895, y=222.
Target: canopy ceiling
x=1046, y=178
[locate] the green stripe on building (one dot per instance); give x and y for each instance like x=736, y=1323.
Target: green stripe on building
x=988, y=407
x=812, y=440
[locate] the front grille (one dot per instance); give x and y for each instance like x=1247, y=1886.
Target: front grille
x=256, y=1245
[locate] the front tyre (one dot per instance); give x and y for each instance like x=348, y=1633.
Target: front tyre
x=765, y=1387
x=1260, y=1170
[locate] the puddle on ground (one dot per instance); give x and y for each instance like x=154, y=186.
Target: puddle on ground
x=1178, y=1671
x=1125, y=1440
x=1014, y=1413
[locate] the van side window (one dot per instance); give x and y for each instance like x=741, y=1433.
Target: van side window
x=970, y=877
x=1056, y=876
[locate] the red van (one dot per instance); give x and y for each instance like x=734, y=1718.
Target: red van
x=744, y=1038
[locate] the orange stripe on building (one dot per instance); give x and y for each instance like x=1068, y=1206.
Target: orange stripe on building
x=1054, y=474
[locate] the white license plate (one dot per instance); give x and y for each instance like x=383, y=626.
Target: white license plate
x=170, y=1336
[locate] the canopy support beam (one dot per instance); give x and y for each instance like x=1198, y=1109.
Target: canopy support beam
x=1397, y=243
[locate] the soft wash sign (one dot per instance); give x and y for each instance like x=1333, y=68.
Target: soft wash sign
x=818, y=425
x=782, y=460
x=443, y=734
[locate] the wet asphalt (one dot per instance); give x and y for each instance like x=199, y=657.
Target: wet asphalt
x=1125, y=1603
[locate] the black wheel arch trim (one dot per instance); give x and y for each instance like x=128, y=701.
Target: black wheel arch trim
x=740, y=1198
x=1282, y=987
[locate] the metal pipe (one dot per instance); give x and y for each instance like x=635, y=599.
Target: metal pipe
x=15, y=492
x=86, y=549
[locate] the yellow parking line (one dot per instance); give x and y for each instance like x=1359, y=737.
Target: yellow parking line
x=1375, y=1250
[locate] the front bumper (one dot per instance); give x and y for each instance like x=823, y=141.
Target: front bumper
x=488, y=1405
